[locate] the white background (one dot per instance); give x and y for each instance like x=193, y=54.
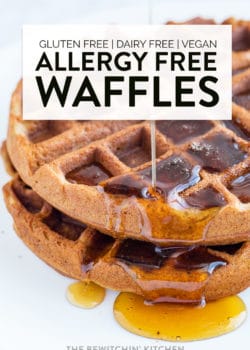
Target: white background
x=34, y=314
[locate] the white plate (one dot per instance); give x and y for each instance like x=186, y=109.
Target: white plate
x=34, y=314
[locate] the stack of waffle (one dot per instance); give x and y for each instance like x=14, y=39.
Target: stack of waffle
x=81, y=197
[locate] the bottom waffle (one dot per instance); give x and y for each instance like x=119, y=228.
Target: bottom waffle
x=183, y=274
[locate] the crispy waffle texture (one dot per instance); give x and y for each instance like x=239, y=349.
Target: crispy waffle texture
x=77, y=196
x=65, y=162
x=84, y=253
x=57, y=158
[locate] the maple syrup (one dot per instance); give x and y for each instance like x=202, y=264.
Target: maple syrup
x=238, y=128
x=243, y=100
x=241, y=38
x=85, y=294
x=29, y=199
x=98, y=246
x=166, y=224
x=166, y=215
x=205, y=198
x=180, y=131
x=153, y=154
x=178, y=322
x=134, y=156
x=176, y=273
x=229, y=248
x=172, y=274
x=89, y=175
x=64, y=225
x=209, y=152
x=238, y=71
x=241, y=188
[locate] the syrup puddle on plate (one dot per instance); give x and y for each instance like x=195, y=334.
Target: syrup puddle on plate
x=85, y=294
x=166, y=321
x=178, y=322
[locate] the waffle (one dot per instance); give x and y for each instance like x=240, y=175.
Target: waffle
x=240, y=40
x=159, y=274
x=202, y=168
x=208, y=159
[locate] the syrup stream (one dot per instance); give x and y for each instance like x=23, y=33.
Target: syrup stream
x=152, y=122
x=153, y=153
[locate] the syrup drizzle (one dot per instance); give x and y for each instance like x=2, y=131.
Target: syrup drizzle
x=238, y=128
x=153, y=153
x=89, y=175
x=172, y=274
x=217, y=153
x=178, y=322
x=165, y=215
x=85, y=294
x=162, y=274
x=241, y=38
x=180, y=131
x=240, y=187
x=243, y=100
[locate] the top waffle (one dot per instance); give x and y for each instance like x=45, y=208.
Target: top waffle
x=99, y=172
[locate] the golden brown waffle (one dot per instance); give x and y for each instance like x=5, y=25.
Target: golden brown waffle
x=92, y=152
x=241, y=44
x=179, y=274
x=221, y=151
x=6, y=160
x=241, y=64
x=240, y=59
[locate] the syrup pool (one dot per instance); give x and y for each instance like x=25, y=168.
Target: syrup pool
x=85, y=294
x=179, y=322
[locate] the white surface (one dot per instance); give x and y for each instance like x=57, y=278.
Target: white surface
x=34, y=314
